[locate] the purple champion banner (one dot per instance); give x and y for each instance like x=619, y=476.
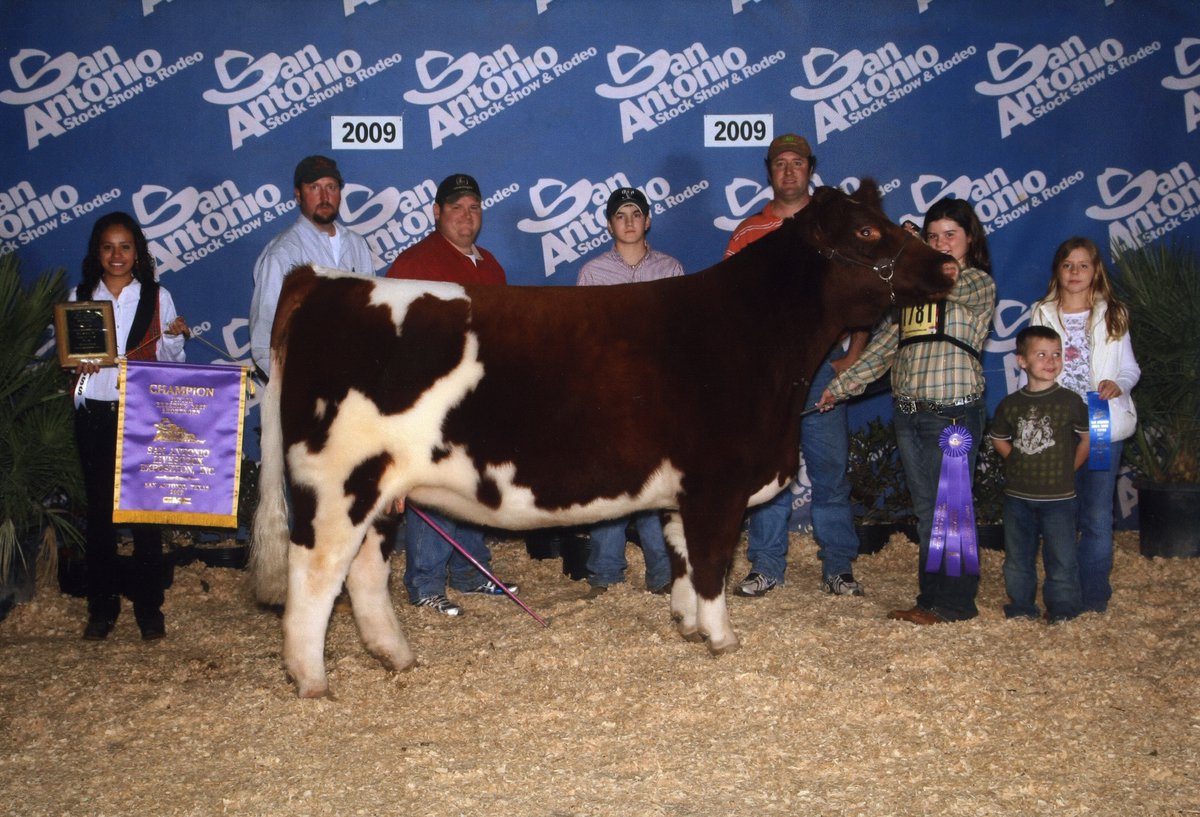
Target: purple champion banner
x=179, y=442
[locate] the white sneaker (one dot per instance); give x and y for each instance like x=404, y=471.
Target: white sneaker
x=843, y=584
x=440, y=603
x=755, y=585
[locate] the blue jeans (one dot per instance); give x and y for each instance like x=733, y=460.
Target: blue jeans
x=1054, y=521
x=825, y=443
x=1094, y=519
x=606, y=559
x=428, y=555
x=951, y=597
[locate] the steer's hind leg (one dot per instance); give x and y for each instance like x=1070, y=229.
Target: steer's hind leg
x=711, y=526
x=373, y=610
x=315, y=577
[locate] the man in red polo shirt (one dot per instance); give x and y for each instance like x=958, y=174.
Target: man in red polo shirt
x=450, y=254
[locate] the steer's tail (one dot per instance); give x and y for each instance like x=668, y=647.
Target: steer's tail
x=270, y=536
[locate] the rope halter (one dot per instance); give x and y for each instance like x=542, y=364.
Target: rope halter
x=886, y=270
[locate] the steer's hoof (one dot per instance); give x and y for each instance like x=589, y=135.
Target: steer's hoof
x=394, y=666
x=692, y=635
x=312, y=688
x=314, y=692
x=731, y=646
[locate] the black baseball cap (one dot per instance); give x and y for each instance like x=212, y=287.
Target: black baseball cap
x=626, y=195
x=455, y=186
x=312, y=168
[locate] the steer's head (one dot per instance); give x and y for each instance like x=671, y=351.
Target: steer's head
x=876, y=263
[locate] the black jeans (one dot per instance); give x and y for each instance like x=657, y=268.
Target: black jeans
x=96, y=436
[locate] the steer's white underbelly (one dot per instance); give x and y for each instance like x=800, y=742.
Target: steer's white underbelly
x=452, y=487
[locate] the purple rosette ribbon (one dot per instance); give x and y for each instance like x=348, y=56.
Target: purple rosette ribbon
x=953, y=538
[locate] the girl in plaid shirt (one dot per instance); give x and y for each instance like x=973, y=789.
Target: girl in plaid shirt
x=933, y=351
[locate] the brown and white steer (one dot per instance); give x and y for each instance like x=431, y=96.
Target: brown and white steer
x=526, y=407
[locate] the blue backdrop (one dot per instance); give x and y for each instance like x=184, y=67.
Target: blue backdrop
x=1076, y=117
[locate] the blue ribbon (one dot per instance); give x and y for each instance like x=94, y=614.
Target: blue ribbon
x=1100, y=430
x=953, y=537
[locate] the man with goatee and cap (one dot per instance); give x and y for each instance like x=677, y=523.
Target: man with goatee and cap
x=316, y=237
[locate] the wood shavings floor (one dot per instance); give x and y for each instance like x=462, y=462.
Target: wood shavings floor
x=828, y=709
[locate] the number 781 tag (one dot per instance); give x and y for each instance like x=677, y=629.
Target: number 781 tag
x=366, y=132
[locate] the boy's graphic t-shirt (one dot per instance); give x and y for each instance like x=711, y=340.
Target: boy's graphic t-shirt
x=1044, y=428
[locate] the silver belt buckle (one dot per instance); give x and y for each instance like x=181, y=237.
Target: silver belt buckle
x=962, y=401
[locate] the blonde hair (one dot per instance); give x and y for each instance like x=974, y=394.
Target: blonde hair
x=1117, y=318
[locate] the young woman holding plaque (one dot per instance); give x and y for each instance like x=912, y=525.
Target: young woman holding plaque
x=934, y=351
x=118, y=268
x=1097, y=358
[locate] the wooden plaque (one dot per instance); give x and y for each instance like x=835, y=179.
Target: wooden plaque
x=85, y=331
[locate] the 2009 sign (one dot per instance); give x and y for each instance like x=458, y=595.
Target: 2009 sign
x=738, y=131
x=729, y=130
x=367, y=132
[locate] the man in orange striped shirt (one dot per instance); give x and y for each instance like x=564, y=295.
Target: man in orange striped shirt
x=824, y=438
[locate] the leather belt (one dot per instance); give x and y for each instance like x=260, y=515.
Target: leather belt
x=910, y=405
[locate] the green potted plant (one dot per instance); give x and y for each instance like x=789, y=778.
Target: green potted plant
x=877, y=487
x=1160, y=284
x=40, y=478
x=987, y=492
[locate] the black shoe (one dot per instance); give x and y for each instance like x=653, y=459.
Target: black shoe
x=97, y=629
x=843, y=584
x=490, y=588
x=152, y=627
x=755, y=585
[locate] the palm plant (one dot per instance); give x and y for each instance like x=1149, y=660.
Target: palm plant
x=878, y=489
x=40, y=477
x=1161, y=286
x=987, y=486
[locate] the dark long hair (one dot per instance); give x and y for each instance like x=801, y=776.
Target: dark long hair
x=143, y=268
x=961, y=212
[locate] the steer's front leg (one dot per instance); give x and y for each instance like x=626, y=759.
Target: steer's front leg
x=683, y=594
x=711, y=526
